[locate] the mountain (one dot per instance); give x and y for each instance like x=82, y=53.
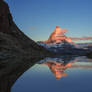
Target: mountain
x=13, y=42
x=58, y=39
x=58, y=36
x=58, y=42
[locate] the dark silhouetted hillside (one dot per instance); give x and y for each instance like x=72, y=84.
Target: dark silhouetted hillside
x=12, y=40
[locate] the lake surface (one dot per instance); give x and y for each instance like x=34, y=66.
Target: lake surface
x=60, y=74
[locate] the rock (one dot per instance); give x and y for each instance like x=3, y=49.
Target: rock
x=4, y=17
x=13, y=41
x=11, y=69
x=89, y=55
x=61, y=44
x=58, y=36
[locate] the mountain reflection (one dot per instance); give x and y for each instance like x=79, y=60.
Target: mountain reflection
x=58, y=68
x=58, y=65
x=11, y=69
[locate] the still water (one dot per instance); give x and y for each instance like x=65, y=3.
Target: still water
x=61, y=74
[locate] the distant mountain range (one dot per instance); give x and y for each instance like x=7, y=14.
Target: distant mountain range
x=59, y=43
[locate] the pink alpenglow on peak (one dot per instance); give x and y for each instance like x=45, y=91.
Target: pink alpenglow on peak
x=59, y=30
x=58, y=36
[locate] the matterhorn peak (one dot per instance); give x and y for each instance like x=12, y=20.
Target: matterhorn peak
x=58, y=42
x=58, y=36
x=60, y=30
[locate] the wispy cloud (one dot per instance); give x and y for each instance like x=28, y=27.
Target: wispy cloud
x=32, y=28
x=81, y=38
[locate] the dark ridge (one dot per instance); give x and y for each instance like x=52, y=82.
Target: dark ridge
x=13, y=41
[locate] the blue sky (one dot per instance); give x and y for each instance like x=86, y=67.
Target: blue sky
x=38, y=18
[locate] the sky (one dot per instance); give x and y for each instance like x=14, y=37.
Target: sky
x=38, y=18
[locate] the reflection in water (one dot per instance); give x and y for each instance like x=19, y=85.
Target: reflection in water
x=58, y=65
x=40, y=78
x=58, y=68
x=12, y=69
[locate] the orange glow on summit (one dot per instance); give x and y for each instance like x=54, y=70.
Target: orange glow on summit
x=58, y=36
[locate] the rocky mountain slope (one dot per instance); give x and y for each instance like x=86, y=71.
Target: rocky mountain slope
x=58, y=42
x=13, y=41
x=57, y=36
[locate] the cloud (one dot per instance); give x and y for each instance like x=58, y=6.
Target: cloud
x=81, y=38
x=33, y=28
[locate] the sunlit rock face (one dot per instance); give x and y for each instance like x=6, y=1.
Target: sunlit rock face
x=58, y=42
x=58, y=39
x=58, y=36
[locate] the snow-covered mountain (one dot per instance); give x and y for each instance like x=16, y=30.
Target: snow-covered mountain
x=57, y=45
x=60, y=43
x=58, y=36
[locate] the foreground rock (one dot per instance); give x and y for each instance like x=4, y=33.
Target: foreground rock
x=12, y=41
x=11, y=69
x=89, y=55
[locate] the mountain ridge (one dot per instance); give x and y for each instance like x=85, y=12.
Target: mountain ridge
x=58, y=42
x=13, y=42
